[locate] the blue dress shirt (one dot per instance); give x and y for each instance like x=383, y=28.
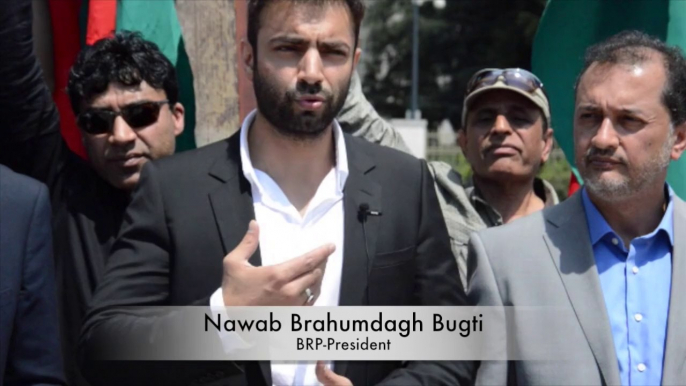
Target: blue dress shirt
x=636, y=286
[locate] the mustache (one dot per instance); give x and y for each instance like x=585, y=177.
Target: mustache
x=595, y=152
x=303, y=89
x=499, y=145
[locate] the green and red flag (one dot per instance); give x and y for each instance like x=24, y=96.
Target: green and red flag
x=568, y=27
x=102, y=19
x=66, y=41
x=76, y=23
x=158, y=22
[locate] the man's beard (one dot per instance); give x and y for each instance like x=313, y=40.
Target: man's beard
x=626, y=186
x=279, y=109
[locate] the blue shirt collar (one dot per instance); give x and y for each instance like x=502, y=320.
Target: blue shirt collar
x=599, y=228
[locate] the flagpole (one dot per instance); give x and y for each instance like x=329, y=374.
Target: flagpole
x=415, y=60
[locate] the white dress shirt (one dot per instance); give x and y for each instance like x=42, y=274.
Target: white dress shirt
x=285, y=234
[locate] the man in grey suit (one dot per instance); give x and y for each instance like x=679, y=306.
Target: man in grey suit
x=612, y=258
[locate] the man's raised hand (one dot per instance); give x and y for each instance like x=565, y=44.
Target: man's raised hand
x=284, y=284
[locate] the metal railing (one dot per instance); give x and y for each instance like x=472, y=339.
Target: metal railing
x=437, y=152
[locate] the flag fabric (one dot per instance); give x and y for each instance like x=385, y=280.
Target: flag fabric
x=76, y=23
x=102, y=18
x=66, y=41
x=567, y=28
x=573, y=185
x=158, y=22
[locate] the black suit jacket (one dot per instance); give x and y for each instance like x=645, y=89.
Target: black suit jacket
x=191, y=209
x=29, y=334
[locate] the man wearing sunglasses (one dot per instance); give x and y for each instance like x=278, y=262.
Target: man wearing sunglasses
x=124, y=93
x=506, y=138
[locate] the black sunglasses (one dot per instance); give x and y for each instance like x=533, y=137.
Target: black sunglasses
x=137, y=115
x=515, y=77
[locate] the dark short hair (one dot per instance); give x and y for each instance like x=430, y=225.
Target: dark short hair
x=124, y=58
x=633, y=47
x=255, y=8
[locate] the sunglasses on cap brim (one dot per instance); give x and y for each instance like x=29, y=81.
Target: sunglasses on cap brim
x=513, y=77
x=137, y=115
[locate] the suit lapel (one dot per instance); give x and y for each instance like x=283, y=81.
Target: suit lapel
x=232, y=201
x=359, y=189
x=233, y=209
x=570, y=248
x=674, y=371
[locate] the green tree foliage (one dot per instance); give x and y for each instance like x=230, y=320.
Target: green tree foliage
x=557, y=171
x=455, y=42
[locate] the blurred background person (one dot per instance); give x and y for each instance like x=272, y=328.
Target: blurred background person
x=506, y=138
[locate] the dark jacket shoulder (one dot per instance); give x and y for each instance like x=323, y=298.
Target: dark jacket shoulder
x=199, y=159
x=18, y=188
x=382, y=155
x=387, y=167
x=223, y=159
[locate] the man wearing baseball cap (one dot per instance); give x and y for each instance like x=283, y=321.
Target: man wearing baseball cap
x=506, y=138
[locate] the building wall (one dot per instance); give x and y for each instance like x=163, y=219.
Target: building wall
x=209, y=31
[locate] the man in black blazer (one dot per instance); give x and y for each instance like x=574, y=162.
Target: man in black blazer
x=363, y=220
x=29, y=335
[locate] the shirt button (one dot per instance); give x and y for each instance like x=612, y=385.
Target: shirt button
x=641, y=367
x=615, y=241
x=638, y=318
x=634, y=270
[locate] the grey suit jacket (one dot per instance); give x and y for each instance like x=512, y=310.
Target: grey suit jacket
x=546, y=259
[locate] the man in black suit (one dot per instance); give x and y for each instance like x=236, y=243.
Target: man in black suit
x=89, y=197
x=124, y=74
x=29, y=334
x=363, y=220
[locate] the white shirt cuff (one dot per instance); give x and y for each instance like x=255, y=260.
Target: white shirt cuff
x=231, y=341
